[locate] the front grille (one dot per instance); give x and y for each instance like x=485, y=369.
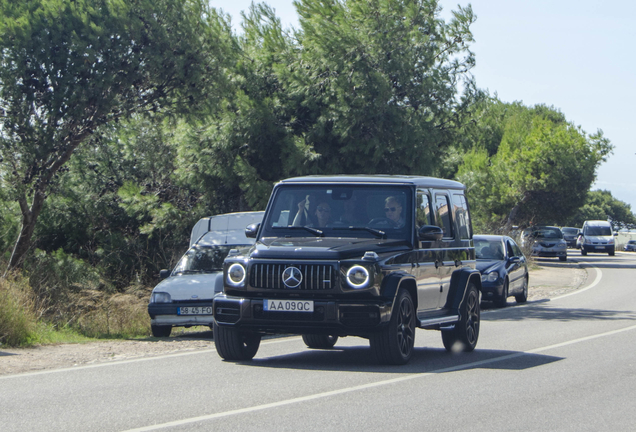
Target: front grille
x=315, y=276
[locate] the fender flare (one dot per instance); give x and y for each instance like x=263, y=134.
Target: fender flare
x=459, y=282
x=394, y=281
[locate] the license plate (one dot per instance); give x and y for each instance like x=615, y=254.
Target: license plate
x=600, y=247
x=194, y=310
x=288, y=305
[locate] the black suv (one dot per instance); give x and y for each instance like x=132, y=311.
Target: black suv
x=367, y=256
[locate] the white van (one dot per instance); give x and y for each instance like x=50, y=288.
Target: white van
x=184, y=297
x=597, y=236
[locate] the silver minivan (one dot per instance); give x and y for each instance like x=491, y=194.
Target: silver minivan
x=597, y=236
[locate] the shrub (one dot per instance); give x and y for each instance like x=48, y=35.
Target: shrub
x=18, y=322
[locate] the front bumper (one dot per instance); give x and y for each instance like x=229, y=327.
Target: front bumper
x=597, y=248
x=334, y=317
x=491, y=290
x=171, y=313
x=549, y=253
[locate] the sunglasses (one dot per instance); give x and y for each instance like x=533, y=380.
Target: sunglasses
x=324, y=210
x=390, y=209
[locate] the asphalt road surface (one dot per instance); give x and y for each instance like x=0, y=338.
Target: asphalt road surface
x=568, y=364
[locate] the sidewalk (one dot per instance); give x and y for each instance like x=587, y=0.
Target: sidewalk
x=554, y=278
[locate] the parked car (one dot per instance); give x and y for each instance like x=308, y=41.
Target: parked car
x=503, y=267
x=395, y=253
x=597, y=236
x=184, y=297
x=570, y=235
x=548, y=242
x=630, y=246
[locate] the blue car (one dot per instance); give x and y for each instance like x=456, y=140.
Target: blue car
x=503, y=267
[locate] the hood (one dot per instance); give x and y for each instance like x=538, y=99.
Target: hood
x=599, y=239
x=329, y=248
x=192, y=286
x=487, y=265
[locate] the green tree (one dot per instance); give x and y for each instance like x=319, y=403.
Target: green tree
x=601, y=205
x=539, y=172
x=379, y=83
x=69, y=67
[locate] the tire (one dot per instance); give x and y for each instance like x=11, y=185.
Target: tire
x=503, y=300
x=612, y=252
x=563, y=258
x=160, y=330
x=320, y=341
x=234, y=345
x=466, y=332
x=523, y=297
x=394, y=344
x=583, y=252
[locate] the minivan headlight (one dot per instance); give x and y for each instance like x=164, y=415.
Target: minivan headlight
x=236, y=274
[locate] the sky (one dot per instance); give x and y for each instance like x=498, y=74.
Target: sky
x=575, y=55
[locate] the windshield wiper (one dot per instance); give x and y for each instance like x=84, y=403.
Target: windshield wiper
x=314, y=231
x=375, y=232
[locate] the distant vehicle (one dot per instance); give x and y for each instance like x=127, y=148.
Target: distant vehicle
x=549, y=242
x=184, y=298
x=503, y=267
x=570, y=235
x=630, y=246
x=597, y=236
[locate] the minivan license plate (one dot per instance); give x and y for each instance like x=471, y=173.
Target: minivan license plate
x=288, y=305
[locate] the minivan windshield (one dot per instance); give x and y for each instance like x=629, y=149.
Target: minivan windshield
x=598, y=230
x=203, y=259
x=373, y=211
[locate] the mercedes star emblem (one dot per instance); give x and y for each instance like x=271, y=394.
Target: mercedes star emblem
x=292, y=277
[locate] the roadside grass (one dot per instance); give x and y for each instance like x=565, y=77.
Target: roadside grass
x=86, y=315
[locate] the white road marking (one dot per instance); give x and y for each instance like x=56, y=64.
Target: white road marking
x=121, y=362
x=372, y=385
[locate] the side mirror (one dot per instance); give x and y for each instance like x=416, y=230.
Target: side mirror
x=514, y=259
x=251, y=230
x=430, y=233
x=615, y=233
x=164, y=274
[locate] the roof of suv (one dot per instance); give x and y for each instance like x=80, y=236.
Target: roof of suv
x=420, y=181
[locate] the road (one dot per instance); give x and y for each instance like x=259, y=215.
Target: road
x=568, y=364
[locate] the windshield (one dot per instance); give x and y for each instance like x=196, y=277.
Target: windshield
x=203, y=259
x=598, y=231
x=570, y=230
x=340, y=211
x=489, y=249
x=547, y=233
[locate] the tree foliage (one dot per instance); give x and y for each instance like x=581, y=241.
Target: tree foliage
x=69, y=67
x=539, y=172
x=601, y=205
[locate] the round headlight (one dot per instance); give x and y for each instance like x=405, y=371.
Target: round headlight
x=236, y=274
x=358, y=277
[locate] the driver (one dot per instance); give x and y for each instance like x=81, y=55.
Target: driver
x=393, y=211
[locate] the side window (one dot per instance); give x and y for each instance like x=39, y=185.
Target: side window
x=516, y=249
x=442, y=215
x=511, y=250
x=423, y=209
x=462, y=216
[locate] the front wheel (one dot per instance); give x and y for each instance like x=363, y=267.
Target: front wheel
x=503, y=300
x=563, y=258
x=235, y=345
x=583, y=252
x=160, y=330
x=394, y=344
x=466, y=332
x=523, y=297
x=320, y=341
